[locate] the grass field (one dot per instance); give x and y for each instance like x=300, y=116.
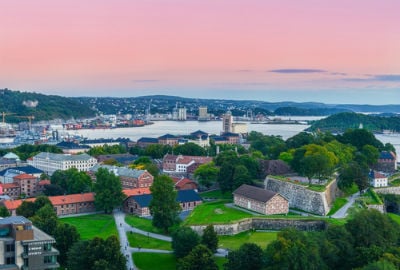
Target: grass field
x=90, y=226
x=153, y=261
x=233, y=242
x=143, y=241
x=214, y=213
x=337, y=204
x=142, y=224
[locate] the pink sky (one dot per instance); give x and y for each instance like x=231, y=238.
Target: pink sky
x=329, y=51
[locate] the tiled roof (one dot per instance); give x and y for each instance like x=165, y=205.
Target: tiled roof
x=24, y=176
x=63, y=157
x=25, y=169
x=147, y=140
x=183, y=196
x=181, y=182
x=188, y=159
x=73, y=198
x=9, y=185
x=44, y=182
x=14, y=220
x=387, y=155
x=375, y=175
x=14, y=204
x=255, y=193
x=136, y=191
x=119, y=171
x=167, y=136
x=198, y=133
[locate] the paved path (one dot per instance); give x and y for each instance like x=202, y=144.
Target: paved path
x=125, y=249
x=342, y=212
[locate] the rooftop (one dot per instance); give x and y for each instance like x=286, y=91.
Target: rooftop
x=258, y=194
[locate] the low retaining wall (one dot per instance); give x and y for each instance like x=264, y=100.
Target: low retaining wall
x=388, y=190
x=264, y=224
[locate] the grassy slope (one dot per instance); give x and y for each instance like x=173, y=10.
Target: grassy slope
x=233, y=242
x=143, y=241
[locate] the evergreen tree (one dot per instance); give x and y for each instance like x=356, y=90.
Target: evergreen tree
x=200, y=258
x=184, y=239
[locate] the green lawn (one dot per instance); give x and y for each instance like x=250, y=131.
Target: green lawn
x=142, y=224
x=337, y=204
x=214, y=213
x=233, y=242
x=153, y=261
x=395, y=217
x=216, y=194
x=370, y=197
x=90, y=226
x=143, y=241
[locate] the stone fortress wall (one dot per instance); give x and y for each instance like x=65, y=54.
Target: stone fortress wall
x=300, y=197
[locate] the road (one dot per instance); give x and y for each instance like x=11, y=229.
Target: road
x=342, y=212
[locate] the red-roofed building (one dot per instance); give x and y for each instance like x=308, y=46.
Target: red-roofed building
x=10, y=189
x=136, y=191
x=180, y=163
x=184, y=183
x=63, y=205
x=73, y=204
x=41, y=186
x=27, y=183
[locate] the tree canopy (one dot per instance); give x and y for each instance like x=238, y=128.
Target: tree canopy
x=108, y=190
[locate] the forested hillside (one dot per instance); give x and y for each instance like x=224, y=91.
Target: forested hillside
x=343, y=121
x=42, y=107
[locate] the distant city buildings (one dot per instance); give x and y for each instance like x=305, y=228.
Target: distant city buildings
x=227, y=121
x=203, y=114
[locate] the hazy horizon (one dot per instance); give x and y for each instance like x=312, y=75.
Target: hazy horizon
x=333, y=52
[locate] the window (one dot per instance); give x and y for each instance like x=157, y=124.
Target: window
x=47, y=247
x=10, y=247
x=10, y=260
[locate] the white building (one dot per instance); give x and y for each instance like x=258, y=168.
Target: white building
x=203, y=115
x=227, y=120
x=378, y=179
x=240, y=128
x=49, y=162
x=182, y=114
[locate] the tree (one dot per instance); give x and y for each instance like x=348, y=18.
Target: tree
x=210, y=238
x=293, y=250
x=200, y=258
x=4, y=212
x=66, y=236
x=380, y=265
x=359, y=138
x=184, y=239
x=45, y=219
x=96, y=254
x=71, y=181
x=346, y=176
x=240, y=176
x=157, y=150
x=225, y=177
x=108, y=190
x=206, y=174
x=163, y=206
x=371, y=154
x=248, y=257
x=26, y=209
x=53, y=190
x=190, y=149
x=299, y=140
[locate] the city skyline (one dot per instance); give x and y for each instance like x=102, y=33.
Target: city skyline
x=332, y=52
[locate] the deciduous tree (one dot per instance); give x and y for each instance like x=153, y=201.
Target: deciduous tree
x=200, y=258
x=206, y=174
x=163, y=206
x=210, y=238
x=108, y=190
x=184, y=239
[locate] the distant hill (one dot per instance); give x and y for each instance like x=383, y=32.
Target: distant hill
x=165, y=104
x=43, y=107
x=343, y=121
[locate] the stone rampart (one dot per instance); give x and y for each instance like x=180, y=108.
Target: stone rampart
x=264, y=224
x=302, y=198
x=388, y=190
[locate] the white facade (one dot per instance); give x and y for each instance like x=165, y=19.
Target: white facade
x=49, y=162
x=381, y=181
x=240, y=128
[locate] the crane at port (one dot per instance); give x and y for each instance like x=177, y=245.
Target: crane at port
x=29, y=117
x=4, y=114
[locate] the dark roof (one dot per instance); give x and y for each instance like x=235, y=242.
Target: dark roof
x=143, y=200
x=188, y=195
x=71, y=145
x=121, y=158
x=167, y=136
x=387, y=155
x=25, y=169
x=117, y=140
x=219, y=138
x=255, y=193
x=147, y=140
x=230, y=134
x=199, y=133
x=183, y=196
